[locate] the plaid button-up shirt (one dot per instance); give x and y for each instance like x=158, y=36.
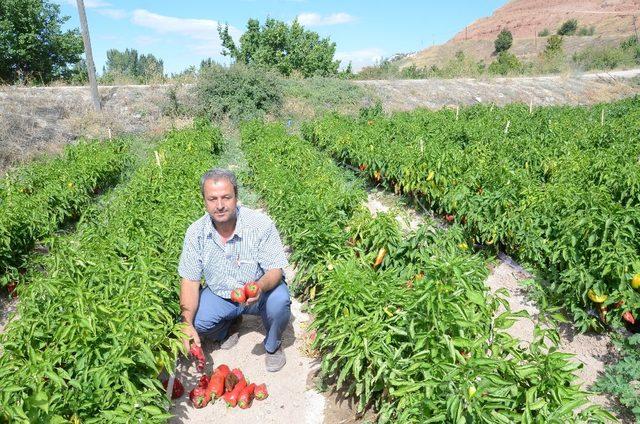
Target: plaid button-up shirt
x=254, y=248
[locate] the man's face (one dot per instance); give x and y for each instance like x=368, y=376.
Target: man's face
x=220, y=200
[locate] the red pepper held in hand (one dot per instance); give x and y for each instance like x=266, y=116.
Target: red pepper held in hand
x=196, y=351
x=238, y=296
x=251, y=289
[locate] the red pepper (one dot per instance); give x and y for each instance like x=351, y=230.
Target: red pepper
x=216, y=382
x=246, y=396
x=232, y=397
x=11, y=288
x=199, y=396
x=261, y=392
x=222, y=369
x=216, y=385
x=238, y=296
x=230, y=382
x=178, y=388
x=238, y=373
x=628, y=316
x=196, y=351
x=251, y=289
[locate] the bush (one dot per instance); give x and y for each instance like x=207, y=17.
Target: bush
x=603, y=58
x=506, y=64
x=238, y=92
x=569, y=27
x=544, y=33
x=584, y=31
x=324, y=93
x=504, y=41
x=554, y=45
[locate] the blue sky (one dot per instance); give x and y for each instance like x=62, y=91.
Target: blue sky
x=182, y=33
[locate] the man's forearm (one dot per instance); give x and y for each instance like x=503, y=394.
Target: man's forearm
x=270, y=279
x=189, y=297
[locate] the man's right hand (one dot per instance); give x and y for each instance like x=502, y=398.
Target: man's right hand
x=189, y=299
x=190, y=333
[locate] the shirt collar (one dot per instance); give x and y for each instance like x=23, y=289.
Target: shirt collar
x=210, y=229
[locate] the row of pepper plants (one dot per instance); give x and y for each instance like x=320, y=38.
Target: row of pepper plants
x=95, y=329
x=404, y=322
x=558, y=188
x=38, y=199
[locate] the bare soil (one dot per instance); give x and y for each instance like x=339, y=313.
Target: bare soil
x=582, y=89
x=41, y=120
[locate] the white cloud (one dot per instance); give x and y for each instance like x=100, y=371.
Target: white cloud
x=113, y=13
x=204, y=31
x=360, y=58
x=315, y=19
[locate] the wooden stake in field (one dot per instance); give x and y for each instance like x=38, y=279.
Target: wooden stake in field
x=457, y=111
x=531, y=106
x=91, y=69
x=506, y=129
x=602, y=117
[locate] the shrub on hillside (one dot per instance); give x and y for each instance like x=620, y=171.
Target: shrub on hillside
x=603, y=58
x=586, y=31
x=554, y=45
x=544, y=33
x=238, y=92
x=506, y=64
x=569, y=27
x=503, y=41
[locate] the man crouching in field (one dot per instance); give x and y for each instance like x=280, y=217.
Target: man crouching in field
x=230, y=246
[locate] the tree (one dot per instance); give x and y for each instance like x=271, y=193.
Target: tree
x=130, y=64
x=287, y=49
x=569, y=27
x=32, y=43
x=503, y=41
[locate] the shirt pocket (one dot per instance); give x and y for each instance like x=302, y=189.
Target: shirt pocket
x=248, y=270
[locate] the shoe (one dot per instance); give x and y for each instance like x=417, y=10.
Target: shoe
x=275, y=361
x=232, y=335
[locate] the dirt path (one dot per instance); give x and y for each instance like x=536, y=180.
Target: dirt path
x=592, y=350
x=290, y=399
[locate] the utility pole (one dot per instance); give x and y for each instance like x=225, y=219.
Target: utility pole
x=635, y=29
x=89, y=56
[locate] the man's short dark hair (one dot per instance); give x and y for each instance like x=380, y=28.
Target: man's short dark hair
x=217, y=174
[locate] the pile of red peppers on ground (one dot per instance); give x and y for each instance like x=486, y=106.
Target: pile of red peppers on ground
x=231, y=385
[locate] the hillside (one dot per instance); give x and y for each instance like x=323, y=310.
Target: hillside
x=612, y=20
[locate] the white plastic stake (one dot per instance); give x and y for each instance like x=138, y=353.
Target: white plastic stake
x=506, y=129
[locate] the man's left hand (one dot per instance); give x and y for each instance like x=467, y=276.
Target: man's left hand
x=253, y=300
